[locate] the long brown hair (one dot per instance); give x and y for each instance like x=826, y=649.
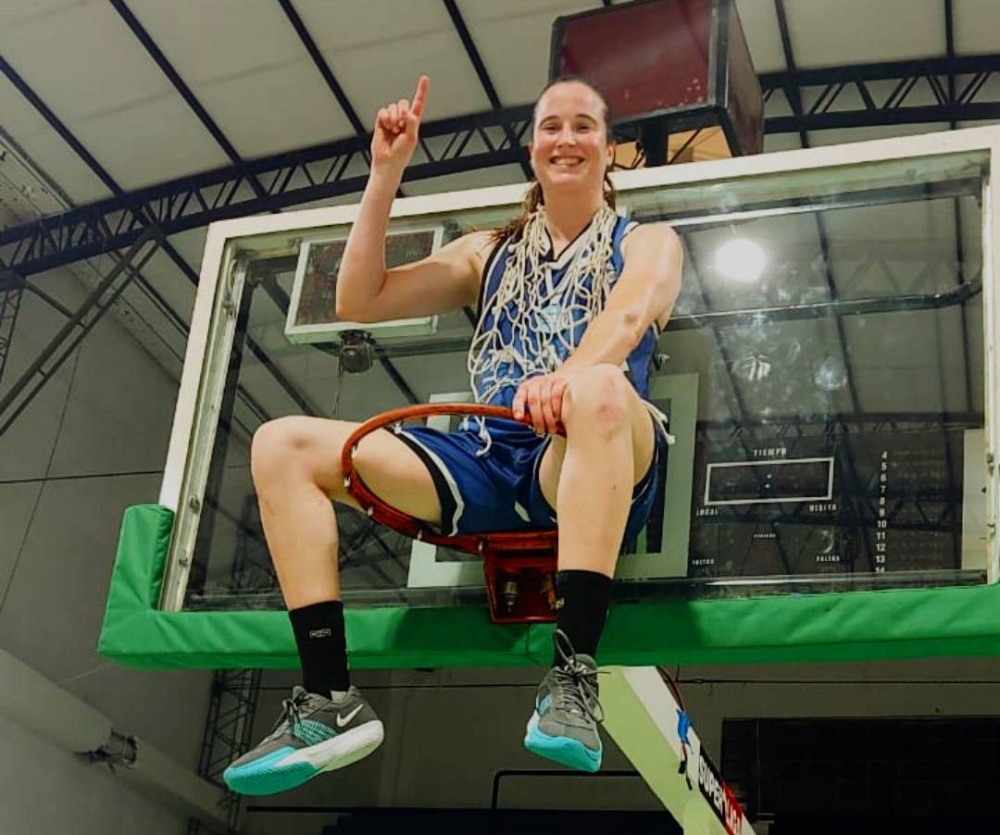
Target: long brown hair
x=535, y=198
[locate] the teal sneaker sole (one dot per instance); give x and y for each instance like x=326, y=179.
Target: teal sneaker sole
x=561, y=749
x=287, y=769
x=269, y=775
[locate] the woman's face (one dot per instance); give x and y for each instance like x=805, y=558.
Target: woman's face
x=570, y=148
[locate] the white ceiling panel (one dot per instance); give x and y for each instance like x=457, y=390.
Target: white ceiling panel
x=825, y=34
x=83, y=62
x=373, y=77
x=760, y=25
x=221, y=39
x=20, y=12
x=116, y=101
x=977, y=27
x=247, y=67
x=377, y=53
x=514, y=40
x=291, y=108
x=348, y=24
x=46, y=148
x=150, y=142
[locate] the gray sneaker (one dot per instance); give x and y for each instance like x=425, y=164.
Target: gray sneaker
x=563, y=727
x=313, y=734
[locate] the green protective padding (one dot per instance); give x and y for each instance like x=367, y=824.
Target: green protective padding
x=911, y=623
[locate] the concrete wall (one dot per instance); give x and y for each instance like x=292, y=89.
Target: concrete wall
x=92, y=442
x=45, y=789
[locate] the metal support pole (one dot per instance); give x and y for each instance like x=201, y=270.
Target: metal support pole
x=228, y=726
x=10, y=304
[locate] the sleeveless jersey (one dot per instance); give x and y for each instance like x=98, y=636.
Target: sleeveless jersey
x=564, y=317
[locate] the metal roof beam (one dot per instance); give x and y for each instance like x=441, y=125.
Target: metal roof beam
x=793, y=91
x=949, y=38
x=481, y=72
x=140, y=222
x=883, y=70
x=291, y=179
x=180, y=86
x=321, y=65
x=59, y=127
x=885, y=116
x=953, y=102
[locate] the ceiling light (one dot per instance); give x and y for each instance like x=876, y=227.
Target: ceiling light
x=740, y=259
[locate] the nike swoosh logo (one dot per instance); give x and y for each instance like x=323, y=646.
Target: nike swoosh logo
x=345, y=720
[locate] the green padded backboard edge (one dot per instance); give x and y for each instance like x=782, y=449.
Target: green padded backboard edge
x=862, y=625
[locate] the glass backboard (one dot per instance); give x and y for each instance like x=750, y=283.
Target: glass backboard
x=829, y=388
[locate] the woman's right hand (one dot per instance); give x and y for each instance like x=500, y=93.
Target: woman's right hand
x=396, y=129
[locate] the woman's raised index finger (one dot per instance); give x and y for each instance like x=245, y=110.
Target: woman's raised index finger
x=420, y=96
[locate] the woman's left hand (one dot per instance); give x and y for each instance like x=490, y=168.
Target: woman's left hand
x=539, y=402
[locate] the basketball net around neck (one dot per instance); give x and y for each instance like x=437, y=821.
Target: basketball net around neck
x=532, y=323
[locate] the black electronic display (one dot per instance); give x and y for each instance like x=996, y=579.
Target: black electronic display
x=820, y=501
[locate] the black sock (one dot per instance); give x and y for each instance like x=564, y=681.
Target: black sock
x=319, y=636
x=584, y=598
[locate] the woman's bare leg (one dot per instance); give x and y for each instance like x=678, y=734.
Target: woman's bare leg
x=589, y=475
x=296, y=465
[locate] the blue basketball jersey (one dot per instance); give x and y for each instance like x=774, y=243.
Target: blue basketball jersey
x=553, y=330
x=486, y=473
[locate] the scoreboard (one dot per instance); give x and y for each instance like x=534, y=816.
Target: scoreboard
x=830, y=499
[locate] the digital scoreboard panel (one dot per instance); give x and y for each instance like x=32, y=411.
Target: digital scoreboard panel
x=820, y=500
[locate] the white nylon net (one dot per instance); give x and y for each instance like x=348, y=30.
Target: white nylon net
x=535, y=321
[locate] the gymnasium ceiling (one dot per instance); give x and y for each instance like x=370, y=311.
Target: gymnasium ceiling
x=101, y=98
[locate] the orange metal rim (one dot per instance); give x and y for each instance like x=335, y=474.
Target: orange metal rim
x=410, y=526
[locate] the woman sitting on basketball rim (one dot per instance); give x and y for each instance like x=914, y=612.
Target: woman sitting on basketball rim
x=571, y=298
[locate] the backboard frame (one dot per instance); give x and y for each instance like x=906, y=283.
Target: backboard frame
x=704, y=630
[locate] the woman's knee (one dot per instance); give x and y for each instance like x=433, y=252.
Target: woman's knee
x=294, y=446
x=273, y=444
x=599, y=397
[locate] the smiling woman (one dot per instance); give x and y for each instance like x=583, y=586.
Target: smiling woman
x=570, y=126
x=571, y=297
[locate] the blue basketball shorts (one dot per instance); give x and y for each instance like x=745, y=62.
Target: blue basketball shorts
x=487, y=480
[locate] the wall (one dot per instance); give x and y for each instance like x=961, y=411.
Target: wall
x=92, y=442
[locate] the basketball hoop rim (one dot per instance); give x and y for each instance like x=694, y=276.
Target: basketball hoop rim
x=404, y=523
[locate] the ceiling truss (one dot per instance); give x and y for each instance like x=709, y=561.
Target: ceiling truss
x=449, y=146
x=957, y=85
